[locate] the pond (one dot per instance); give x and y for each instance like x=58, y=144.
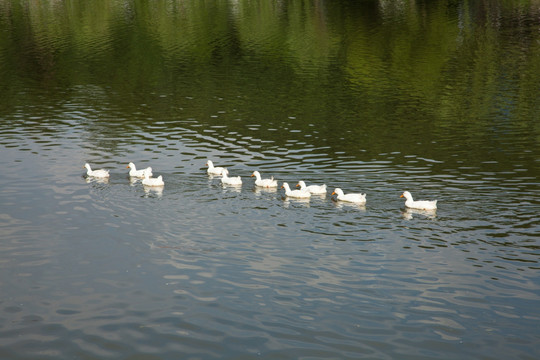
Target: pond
x=437, y=98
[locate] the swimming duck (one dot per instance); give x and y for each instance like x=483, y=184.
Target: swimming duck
x=226, y=180
x=302, y=194
x=133, y=172
x=355, y=198
x=101, y=173
x=264, y=182
x=420, y=204
x=314, y=189
x=148, y=181
x=213, y=170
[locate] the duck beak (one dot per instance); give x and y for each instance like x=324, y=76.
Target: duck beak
x=333, y=193
x=127, y=167
x=401, y=196
x=297, y=185
x=252, y=175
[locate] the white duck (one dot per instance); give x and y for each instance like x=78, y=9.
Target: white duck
x=148, y=181
x=213, y=170
x=267, y=183
x=302, y=194
x=314, y=189
x=101, y=173
x=420, y=204
x=133, y=172
x=355, y=198
x=226, y=180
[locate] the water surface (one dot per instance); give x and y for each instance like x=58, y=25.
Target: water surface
x=440, y=99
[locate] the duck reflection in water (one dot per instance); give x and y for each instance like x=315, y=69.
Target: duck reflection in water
x=264, y=190
x=91, y=179
x=134, y=181
x=153, y=190
x=344, y=205
x=408, y=213
x=292, y=202
x=232, y=188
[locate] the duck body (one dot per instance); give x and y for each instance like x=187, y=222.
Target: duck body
x=300, y=194
x=148, y=181
x=267, y=183
x=419, y=204
x=101, y=173
x=133, y=172
x=354, y=198
x=226, y=180
x=213, y=170
x=313, y=189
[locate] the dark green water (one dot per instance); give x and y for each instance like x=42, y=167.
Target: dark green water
x=440, y=98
